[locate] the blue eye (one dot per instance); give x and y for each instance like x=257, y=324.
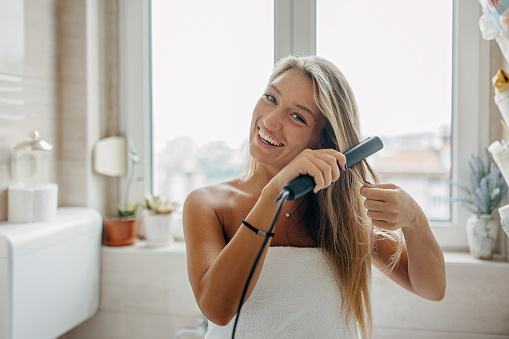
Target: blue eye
x=298, y=117
x=271, y=98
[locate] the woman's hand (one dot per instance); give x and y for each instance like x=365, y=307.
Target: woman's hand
x=421, y=267
x=390, y=207
x=322, y=164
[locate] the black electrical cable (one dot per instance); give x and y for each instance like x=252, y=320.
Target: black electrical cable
x=282, y=198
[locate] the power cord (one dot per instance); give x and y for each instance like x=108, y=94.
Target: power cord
x=285, y=194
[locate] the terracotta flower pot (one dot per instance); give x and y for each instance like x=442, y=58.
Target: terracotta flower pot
x=121, y=231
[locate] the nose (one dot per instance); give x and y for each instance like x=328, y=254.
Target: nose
x=274, y=120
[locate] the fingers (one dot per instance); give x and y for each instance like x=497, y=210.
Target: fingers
x=375, y=205
x=324, y=166
x=328, y=165
x=381, y=192
x=312, y=168
x=384, y=220
x=383, y=205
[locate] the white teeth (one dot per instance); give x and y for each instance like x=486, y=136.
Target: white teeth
x=268, y=139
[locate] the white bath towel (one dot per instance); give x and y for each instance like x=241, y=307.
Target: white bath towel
x=296, y=296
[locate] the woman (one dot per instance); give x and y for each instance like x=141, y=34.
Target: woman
x=316, y=269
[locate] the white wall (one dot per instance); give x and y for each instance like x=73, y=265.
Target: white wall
x=66, y=95
x=35, y=105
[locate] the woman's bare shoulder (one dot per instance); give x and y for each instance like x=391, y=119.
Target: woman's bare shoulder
x=209, y=208
x=215, y=196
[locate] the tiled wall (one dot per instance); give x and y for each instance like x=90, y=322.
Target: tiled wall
x=72, y=124
x=87, y=102
x=37, y=102
x=68, y=95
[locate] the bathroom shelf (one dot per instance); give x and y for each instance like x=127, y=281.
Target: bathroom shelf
x=464, y=258
x=141, y=246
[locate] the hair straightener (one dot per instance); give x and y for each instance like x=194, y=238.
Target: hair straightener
x=305, y=183
x=301, y=186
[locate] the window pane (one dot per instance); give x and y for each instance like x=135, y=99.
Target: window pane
x=210, y=63
x=397, y=56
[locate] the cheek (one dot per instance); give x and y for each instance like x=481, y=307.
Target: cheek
x=313, y=140
x=300, y=141
x=317, y=134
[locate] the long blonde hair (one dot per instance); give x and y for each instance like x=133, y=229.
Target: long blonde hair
x=337, y=217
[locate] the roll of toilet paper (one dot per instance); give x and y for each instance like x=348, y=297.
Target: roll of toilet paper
x=503, y=42
x=500, y=153
x=502, y=101
x=32, y=203
x=504, y=218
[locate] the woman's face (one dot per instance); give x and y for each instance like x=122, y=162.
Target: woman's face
x=285, y=120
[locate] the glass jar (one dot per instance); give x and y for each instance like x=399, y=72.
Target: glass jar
x=32, y=160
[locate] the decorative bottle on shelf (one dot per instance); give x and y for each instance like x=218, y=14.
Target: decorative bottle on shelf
x=32, y=197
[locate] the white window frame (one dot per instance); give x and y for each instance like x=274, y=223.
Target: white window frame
x=295, y=31
x=135, y=87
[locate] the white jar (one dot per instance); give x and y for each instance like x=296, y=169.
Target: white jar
x=32, y=161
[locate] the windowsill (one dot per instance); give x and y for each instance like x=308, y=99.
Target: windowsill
x=179, y=248
x=464, y=258
x=141, y=247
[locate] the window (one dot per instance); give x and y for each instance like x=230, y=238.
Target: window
x=294, y=23
x=400, y=68
x=210, y=64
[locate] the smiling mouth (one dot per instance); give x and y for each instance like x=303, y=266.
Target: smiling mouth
x=267, y=139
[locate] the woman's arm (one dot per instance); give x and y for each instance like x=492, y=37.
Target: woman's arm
x=421, y=268
x=218, y=271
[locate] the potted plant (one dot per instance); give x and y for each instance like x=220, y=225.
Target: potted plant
x=157, y=222
x=486, y=189
x=122, y=230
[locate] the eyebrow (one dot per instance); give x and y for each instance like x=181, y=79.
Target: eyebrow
x=296, y=105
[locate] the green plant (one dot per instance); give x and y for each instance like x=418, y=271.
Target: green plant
x=156, y=205
x=486, y=188
x=125, y=209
